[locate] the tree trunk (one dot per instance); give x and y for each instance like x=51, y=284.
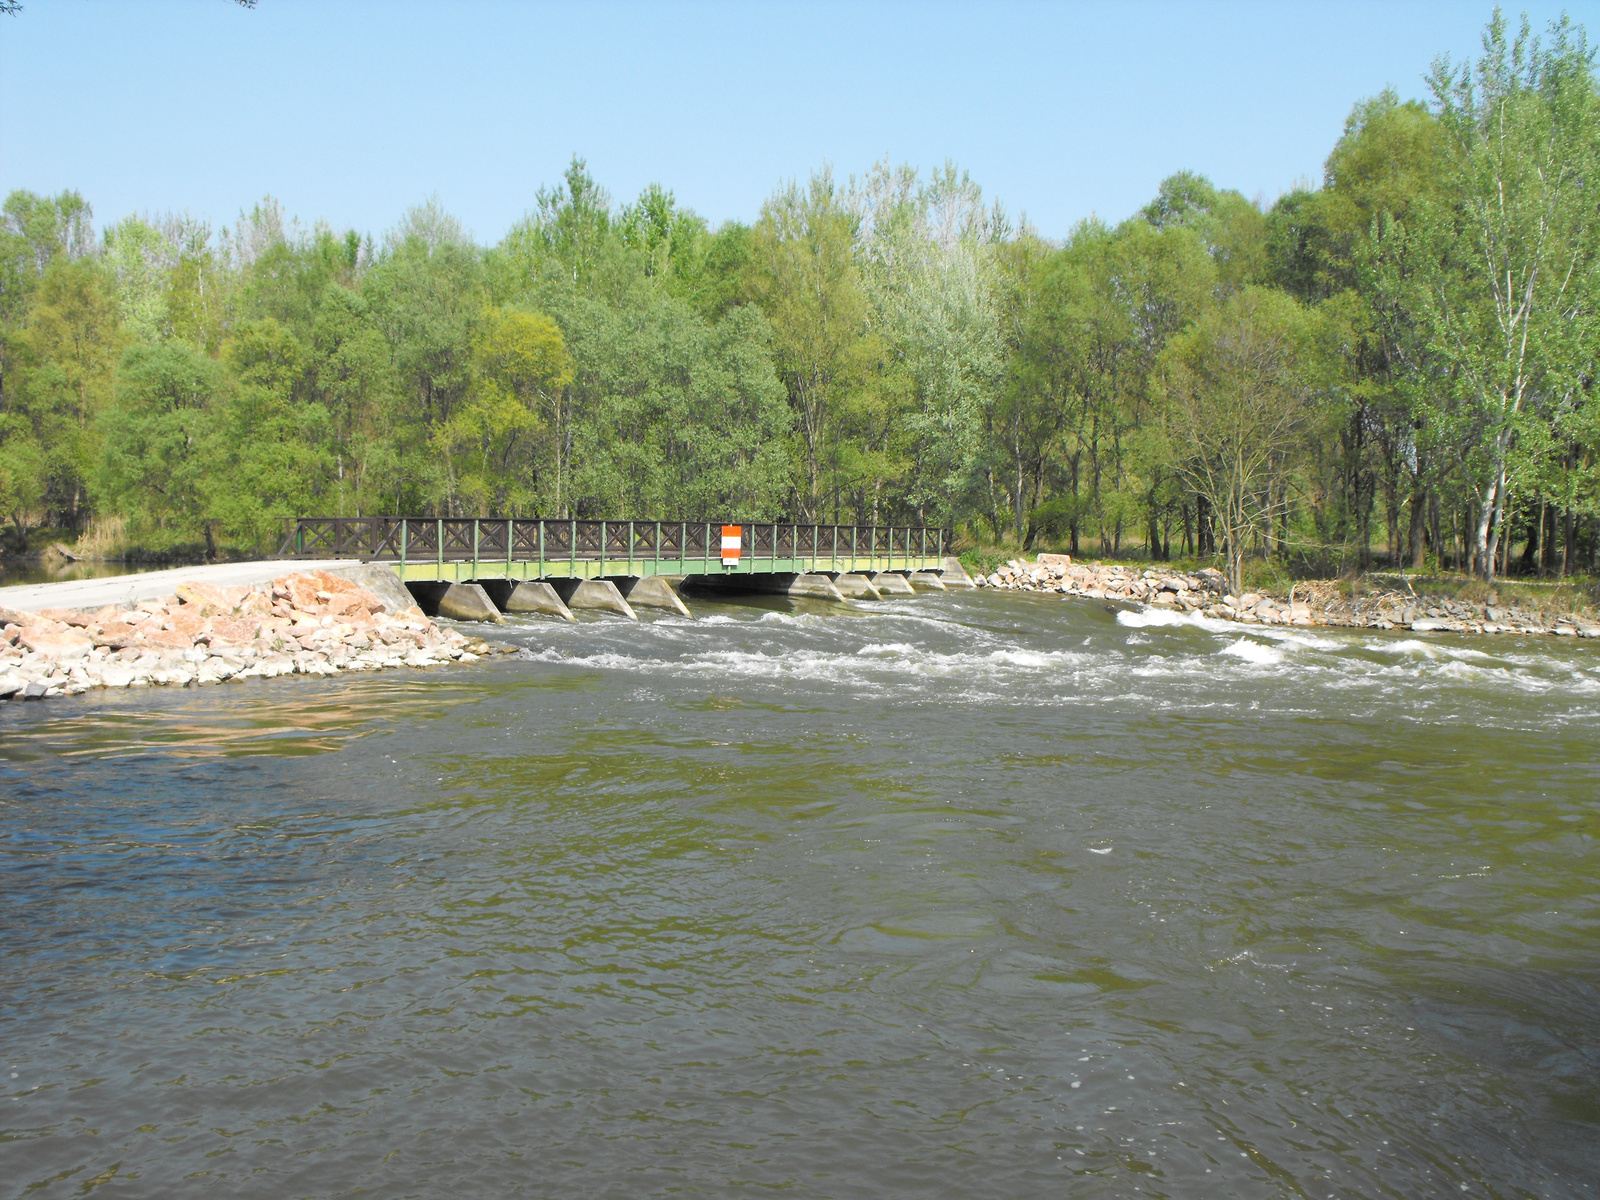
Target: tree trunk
x=1419, y=516
x=1436, y=523
x=1533, y=546
x=1266, y=541
x=1392, y=513
x=1486, y=539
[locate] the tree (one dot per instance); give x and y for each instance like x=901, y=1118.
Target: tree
x=352, y=376
x=264, y=452
x=72, y=341
x=426, y=294
x=672, y=415
x=23, y=471
x=156, y=437
x=1232, y=229
x=926, y=249
x=522, y=367
x=1105, y=307
x=1236, y=394
x=1506, y=257
x=35, y=231
x=808, y=283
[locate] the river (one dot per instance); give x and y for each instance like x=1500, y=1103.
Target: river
x=958, y=896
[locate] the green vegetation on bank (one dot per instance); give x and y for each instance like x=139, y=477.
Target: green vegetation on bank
x=1396, y=368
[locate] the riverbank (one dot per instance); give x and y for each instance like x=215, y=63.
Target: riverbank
x=207, y=632
x=1312, y=603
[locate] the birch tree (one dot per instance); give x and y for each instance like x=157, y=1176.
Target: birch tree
x=1510, y=248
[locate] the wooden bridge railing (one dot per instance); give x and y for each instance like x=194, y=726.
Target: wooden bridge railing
x=545, y=539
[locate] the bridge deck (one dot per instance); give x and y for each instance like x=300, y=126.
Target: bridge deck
x=464, y=548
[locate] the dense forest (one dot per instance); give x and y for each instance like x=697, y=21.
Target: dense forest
x=1397, y=367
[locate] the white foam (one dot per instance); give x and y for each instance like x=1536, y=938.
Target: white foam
x=1296, y=637
x=1158, y=617
x=1253, y=652
x=1160, y=660
x=883, y=649
x=1433, y=650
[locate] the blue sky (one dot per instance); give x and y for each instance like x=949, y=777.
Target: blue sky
x=351, y=111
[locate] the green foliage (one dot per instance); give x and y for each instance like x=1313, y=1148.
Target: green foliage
x=1399, y=363
x=156, y=437
x=979, y=561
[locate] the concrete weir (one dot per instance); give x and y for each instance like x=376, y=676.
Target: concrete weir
x=531, y=596
x=650, y=591
x=600, y=595
x=454, y=601
x=927, y=579
x=766, y=583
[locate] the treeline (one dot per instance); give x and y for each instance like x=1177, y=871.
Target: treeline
x=1397, y=366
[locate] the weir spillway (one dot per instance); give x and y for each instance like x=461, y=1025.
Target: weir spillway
x=478, y=568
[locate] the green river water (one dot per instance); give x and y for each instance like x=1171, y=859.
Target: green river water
x=956, y=896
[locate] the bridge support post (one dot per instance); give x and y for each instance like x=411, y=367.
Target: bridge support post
x=891, y=583
x=955, y=575
x=530, y=596
x=650, y=591
x=454, y=601
x=599, y=595
x=856, y=586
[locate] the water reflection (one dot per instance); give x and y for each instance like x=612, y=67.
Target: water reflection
x=14, y=574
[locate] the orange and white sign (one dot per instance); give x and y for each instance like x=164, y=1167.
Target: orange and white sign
x=730, y=544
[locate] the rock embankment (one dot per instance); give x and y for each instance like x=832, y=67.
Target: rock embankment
x=311, y=623
x=1317, y=603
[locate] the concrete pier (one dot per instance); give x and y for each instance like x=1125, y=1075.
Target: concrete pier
x=454, y=601
x=533, y=596
x=928, y=580
x=650, y=591
x=856, y=587
x=955, y=575
x=891, y=583
x=599, y=595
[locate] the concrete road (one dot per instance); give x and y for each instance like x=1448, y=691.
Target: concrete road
x=90, y=594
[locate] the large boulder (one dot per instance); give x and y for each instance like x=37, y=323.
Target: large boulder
x=55, y=640
x=380, y=580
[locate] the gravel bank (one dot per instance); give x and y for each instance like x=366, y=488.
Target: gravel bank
x=1315, y=603
x=306, y=623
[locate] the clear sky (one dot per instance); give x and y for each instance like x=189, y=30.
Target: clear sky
x=351, y=111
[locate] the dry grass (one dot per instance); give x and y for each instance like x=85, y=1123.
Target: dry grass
x=104, y=538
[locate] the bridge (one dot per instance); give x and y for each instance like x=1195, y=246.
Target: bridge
x=481, y=567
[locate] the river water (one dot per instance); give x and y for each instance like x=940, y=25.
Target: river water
x=956, y=896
